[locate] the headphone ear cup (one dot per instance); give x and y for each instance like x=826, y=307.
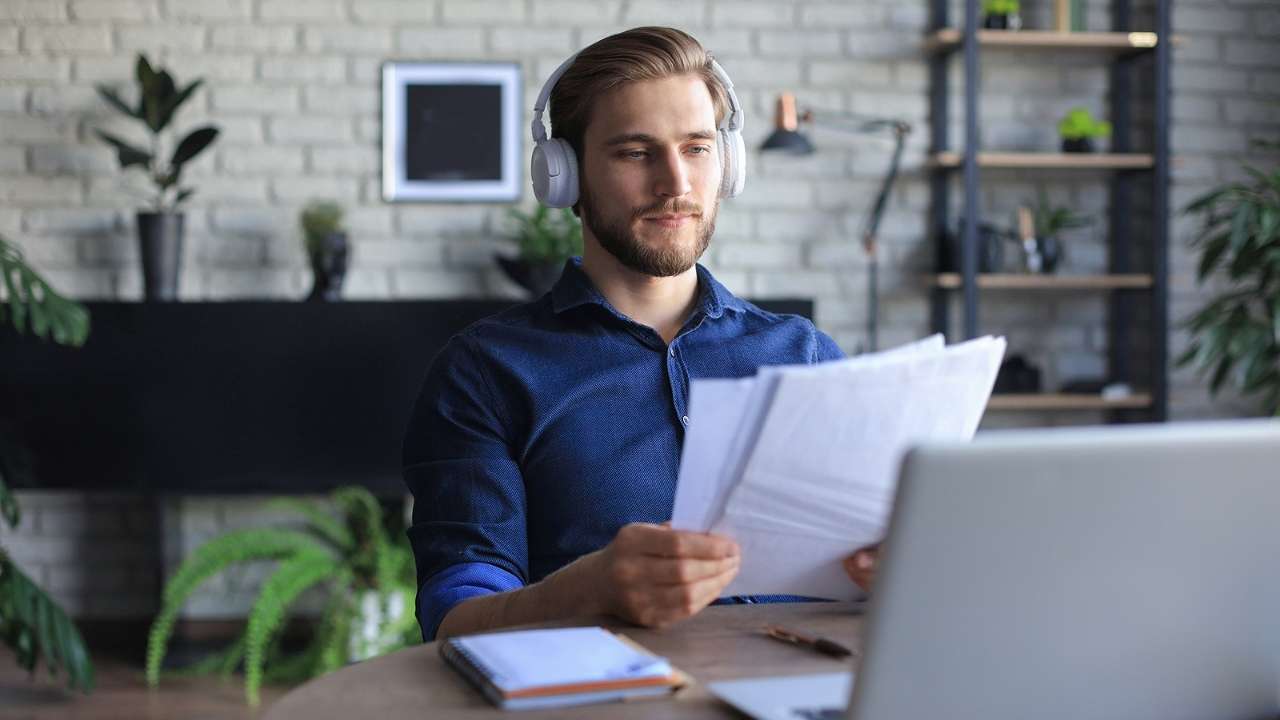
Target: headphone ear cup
x=733, y=155
x=554, y=171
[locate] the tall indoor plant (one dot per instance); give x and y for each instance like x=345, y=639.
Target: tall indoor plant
x=365, y=567
x=160, y=228
x=1236, y=335
x=31, y=623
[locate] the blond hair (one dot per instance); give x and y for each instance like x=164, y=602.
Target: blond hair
x=643, y=53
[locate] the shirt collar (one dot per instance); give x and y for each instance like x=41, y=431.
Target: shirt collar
x=574, y=288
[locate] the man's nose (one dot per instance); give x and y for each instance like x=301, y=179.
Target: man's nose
x=673, y=176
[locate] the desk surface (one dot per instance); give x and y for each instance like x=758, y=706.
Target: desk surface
x=720, y=643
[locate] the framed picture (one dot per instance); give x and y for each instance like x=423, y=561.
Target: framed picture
x=451, y=131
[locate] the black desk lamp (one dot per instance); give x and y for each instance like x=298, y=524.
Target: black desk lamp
x=787, y=138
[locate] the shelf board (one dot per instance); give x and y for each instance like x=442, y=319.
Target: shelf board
x=1048, y=161
x=950, y=38
x=1012, y=281
x=1065, y=401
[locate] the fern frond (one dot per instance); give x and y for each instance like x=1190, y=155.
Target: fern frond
x=210, y=559
x=324, y=524
x=34, y=625
x=278, y=592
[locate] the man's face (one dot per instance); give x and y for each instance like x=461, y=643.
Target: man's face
x=651, y=174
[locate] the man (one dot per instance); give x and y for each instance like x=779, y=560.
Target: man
x=544, y=446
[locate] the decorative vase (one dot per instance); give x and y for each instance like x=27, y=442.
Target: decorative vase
x=535, y=276
x=1077, y=145
x=329, y=267
x=1050, y=250
x=374, y=629
x=1002, y=21
x=160, y=244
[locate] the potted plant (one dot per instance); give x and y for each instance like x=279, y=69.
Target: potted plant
x=325, y=241
x=159, y=227
x=1048, y=222
x=365, y=568
x=545, y=239
x=1078, y=130
x=1236, y=335
x=31, y=623
x=1001, y=14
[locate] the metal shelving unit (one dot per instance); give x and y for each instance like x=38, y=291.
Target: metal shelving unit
x=1126, y=283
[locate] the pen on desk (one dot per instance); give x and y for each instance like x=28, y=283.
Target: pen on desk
x=822, y=645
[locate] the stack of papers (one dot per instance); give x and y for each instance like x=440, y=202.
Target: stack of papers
x=527, y=669
x=799, y=464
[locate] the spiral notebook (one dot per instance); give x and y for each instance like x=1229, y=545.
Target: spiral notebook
x=527, y=669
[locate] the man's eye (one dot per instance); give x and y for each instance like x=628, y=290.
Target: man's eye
x=635, y=154
x=701, y=149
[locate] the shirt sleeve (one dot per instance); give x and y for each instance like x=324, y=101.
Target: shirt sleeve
x=824, y=348
x=439, y=594
x=468, y=492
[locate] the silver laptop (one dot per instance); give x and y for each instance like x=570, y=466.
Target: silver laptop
x=1117, y=572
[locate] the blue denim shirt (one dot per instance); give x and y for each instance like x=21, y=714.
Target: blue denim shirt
x=542, y=430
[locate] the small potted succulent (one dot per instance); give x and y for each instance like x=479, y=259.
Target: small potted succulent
x=325, y=241
x=159, y=227
x=1078, y=130
x=545, y=240
x=1001, y=14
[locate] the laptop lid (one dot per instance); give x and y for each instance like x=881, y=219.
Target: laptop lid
x=1129, y=572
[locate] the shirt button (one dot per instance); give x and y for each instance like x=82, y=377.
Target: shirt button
x=685, y=419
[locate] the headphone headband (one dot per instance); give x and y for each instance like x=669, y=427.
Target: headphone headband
x=732, y=122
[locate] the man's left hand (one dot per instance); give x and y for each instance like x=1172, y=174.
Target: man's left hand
x=861, y=566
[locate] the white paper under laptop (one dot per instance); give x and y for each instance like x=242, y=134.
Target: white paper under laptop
x=798, y=463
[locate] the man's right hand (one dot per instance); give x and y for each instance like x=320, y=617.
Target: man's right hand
x=655, y=576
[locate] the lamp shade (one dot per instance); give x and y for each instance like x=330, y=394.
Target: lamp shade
x=785, y=136
x=788, y=141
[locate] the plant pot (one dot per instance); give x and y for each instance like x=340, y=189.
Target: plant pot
x=376, y=627
x=160, y=245
x=1077, y=145
x=1004, y=21
x=1050, y=249
x=535, y=276
x=329, y=267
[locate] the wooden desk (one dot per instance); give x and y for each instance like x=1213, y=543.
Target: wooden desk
x=720, y=643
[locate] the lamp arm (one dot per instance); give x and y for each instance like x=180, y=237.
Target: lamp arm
x=886, y=186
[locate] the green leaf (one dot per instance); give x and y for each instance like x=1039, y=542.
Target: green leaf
x=196, y=141
x=156, y=98
x=53, y=316
x=143, y=72
x=322, y=523
x=208, y=560
x=113, y=99
x=1212, y=253
x=1220, y=374
x=279, y=591
x=1240, y=222
x=176, y=101
x=39, y=628
x=128, y=154
x=183, y=195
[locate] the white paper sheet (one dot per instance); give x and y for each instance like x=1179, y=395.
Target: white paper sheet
x=800, y=463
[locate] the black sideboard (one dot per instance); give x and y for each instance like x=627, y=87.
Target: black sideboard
x=231, y=397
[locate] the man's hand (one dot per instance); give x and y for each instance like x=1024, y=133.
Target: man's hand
x=861, y=566
x=654, y=576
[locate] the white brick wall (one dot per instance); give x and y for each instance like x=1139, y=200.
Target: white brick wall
x=294, y=86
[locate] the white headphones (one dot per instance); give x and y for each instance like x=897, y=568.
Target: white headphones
x=555, y=167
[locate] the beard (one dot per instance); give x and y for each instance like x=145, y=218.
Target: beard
x=664, y=259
